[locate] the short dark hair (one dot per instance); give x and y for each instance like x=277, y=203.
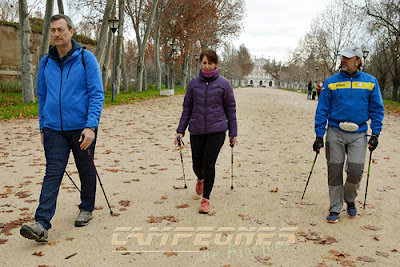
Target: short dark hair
x=65, y=17
x=359, y=66
x=210, y=54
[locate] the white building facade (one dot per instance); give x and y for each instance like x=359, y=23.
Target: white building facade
x=258, y=77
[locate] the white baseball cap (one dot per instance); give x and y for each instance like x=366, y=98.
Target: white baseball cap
x=352, y=51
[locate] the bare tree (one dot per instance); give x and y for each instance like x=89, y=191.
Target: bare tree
x=60, y=6
x=9, y=10
x=385, y=24
x=157, y=36
x=246, y=62
x=338, y=26
x=142, y=23
x=103, y=38
x=45, y=41
x=26, y=54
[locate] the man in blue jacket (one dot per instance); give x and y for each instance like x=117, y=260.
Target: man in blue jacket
x=71, y=97
x=348, y=100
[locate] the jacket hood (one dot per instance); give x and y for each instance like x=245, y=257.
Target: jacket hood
x=54, y=53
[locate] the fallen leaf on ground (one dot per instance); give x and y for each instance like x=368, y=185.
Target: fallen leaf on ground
x=155, y=219
x=52, y=243
x=274, y=190
x=115, y=214
x=290, y=222
x=183, y=206
x=125, y=203
x=178, y=187
x=8, y=191
x=22, y=194
x=211, y=213
x=382, y=254
x=366, y=259
x=171, y=253
x=120, y=249
x=39, y=254
x=321, y=264
x=377, y=238
x=196, y=198
x=371, y=227
x=69, y=238
x=99, y=208
x=203, y=248
x=263, y=260
x=158, y=202
x=394, y=250
x=3, y=241
x=348, y=263
x=164, y=197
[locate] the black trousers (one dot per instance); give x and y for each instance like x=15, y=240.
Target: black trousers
x=205, y=150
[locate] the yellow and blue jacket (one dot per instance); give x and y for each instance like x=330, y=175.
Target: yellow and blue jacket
x=355, y=98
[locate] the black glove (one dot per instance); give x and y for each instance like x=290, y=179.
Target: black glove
x=373, y=141
x=319, y=142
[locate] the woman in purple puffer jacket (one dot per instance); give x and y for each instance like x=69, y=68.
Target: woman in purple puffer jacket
x=209, y=108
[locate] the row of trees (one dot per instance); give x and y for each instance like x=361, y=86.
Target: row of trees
x=372, y=24
x=192, y=24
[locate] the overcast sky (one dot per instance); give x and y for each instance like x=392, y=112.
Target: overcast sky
x=273, y=27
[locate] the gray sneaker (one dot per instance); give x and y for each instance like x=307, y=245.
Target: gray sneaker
x=35, y=231
x=83, y=218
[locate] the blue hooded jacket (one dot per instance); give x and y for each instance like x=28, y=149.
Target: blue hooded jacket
x=70, y=90
x=348, y=98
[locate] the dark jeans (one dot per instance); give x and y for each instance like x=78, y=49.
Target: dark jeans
x=205, y=150
x=57, y=146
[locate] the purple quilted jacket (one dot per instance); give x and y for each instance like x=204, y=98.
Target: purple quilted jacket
x=209, y=106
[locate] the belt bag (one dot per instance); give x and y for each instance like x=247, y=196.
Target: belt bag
x=348, y=126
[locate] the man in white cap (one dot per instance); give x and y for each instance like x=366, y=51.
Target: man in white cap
x=348, y=100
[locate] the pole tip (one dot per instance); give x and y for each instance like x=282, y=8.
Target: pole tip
x=185, y=186
x=111, y=212
x=231, y=187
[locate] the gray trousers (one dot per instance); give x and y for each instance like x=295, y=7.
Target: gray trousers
x=338, y=144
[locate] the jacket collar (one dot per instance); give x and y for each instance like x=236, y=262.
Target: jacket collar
x=345, y=74
x=211, y=79
x=54, y=54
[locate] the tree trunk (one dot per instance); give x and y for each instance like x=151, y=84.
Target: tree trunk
x=184, y=71
x=106, y=64
x=157, y=46
x=60, y=6
x=26, y=54
x=103, y=38
x=145, y=78
x=45, y=41
x=395, y=90
x=119, y=43
x=142, y=46
x=125, y=85
x=139, y=74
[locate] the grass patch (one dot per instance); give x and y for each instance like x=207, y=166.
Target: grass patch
x=11, y=103
x=392, y=107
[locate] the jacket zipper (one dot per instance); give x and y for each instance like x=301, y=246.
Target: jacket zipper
x=69, y=70
x=62, y=129
x=205, y=108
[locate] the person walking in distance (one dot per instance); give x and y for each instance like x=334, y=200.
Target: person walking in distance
x=309, y=90
x=209, y=108
x=71, y=97
x=348, y=100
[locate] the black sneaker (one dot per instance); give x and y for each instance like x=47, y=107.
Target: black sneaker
x=332, y=217
x=351, y=209
x=83, y=218
x=35, y=231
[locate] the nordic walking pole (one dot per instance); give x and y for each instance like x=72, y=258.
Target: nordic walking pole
x=72, y=181
x=180, y=143
x=312, y=168
x=231, y=144
x=98, y=177
x=366, y=188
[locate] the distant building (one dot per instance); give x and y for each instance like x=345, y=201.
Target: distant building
x=258, y=77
